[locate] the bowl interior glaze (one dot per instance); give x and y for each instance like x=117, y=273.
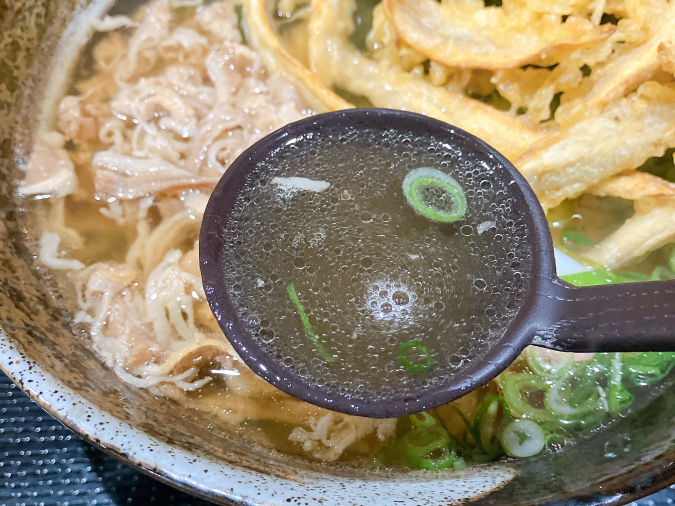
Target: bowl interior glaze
x=49, y=358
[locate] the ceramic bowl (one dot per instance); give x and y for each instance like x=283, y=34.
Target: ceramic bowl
x=43, y=353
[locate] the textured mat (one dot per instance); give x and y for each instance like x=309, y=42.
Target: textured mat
x=43, y=463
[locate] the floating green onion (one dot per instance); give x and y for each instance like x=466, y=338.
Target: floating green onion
x=442, y=459
x=309, y=332
x=556, y=434
x=589, y=278
x=404, y=350
x=428, y=449
x=659, y=273
x=477, y=452
x=644, y=369
x=575, y=241
x=605, y=277
x=459, y=464
x=618, y=397
x=517, y=386
x=487, y=427
x=434, y=195
x=577, y=401
x=393, y=452
x=421, y=443
x=426, y=421
x=523, y=438
x=638, y=277
x=575, y=237
x=548, y=363
x=569, y=403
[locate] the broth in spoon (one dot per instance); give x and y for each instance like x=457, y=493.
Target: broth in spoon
x=347, y=285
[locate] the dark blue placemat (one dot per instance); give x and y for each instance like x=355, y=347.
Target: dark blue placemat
x=43, y=463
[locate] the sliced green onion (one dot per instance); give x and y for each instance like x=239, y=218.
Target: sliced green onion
x=618, y=397
x=635, y=277
x=558, y=405
x=443, y=460
x=486, y=429
x=425, y=179
x=515, y=386
x=393, y=452
x=477, y=452
x=426, y=422
x=487, y=424
x=574, y=237
x=416, y=367
x=575, y=241
x=421, y=444
x=466, y=421
x=644, y=369
x=576, y=398
x=459, y=464
x=604, y=277
x=660, y=273
x=548, y=363
x=428, y=449
x=309, y=332
x=523, y=438
x=556, y=433
x=589, y=278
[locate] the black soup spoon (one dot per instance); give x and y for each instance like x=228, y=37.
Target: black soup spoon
x=332, y=286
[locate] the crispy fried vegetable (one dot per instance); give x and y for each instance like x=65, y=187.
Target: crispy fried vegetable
x=468, y=34
x=666, y=56
x=634, y=185
x=385, y=44
x=533, y=89
x=621, y=75
x=560, y=7
x=640, y=234
x=622, y=137
x=425, y=57
x=265, y=40
x=336, y=62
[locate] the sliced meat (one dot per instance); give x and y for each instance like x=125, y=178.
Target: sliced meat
x=184, y=46
x=80, y=118
x=50, y=171
x=143, y=45
x=220, y=21
x=50, y=255
x=111, y=184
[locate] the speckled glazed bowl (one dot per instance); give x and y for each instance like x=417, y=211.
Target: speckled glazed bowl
x=41, y=352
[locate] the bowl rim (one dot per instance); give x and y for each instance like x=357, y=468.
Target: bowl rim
x=113, y=437
x=224, y=482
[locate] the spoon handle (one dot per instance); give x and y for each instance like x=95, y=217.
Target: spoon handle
x=607, y=318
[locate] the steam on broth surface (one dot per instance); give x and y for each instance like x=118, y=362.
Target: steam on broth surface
x=175, y=95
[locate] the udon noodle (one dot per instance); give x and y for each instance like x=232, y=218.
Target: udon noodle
x=176, y=94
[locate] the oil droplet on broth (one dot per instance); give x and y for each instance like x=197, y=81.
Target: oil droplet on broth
x=369, y=272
